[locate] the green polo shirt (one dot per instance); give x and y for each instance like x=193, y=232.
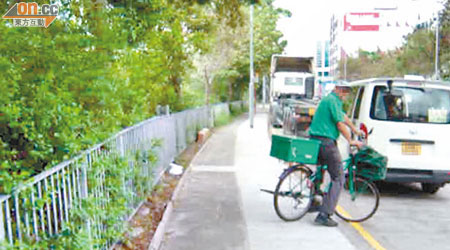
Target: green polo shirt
x=327, y=115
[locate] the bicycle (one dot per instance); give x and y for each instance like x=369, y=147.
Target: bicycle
x=359, y=199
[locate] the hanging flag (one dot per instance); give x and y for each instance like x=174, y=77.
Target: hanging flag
x=343, y=54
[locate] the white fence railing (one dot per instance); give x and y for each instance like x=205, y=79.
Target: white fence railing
x=41, y=208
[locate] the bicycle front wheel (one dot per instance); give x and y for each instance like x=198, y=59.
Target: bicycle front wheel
x=358, y=203
x=293, y=195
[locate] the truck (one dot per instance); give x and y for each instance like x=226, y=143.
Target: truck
x=292, y=99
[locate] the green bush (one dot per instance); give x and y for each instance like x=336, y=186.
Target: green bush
x=94, y=72
x=222, y=119
x=111, y=176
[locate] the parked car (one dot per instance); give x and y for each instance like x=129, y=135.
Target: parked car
x=409, y=122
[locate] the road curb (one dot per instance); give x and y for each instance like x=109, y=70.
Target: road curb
x=158, y=237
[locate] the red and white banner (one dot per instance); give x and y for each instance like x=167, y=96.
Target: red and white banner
x=343, y=53
x=367, y=21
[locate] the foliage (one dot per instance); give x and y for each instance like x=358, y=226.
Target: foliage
x=101, y=67
x=370, y=64
x=418, y=53
x=444, y=52
x=236, y=110
x=224, y=69
x=224, y=118
x=109, y=201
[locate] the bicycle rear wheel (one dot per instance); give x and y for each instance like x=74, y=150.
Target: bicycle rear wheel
x=362, y=204
x=293, y=194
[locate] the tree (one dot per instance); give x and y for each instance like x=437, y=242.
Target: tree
x=370, y=64
x=105, y=65
x=418, y=53
x=267, y=41
x=444, y=52
x=415, y=56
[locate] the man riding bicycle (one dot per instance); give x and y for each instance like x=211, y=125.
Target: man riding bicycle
x=328, y=123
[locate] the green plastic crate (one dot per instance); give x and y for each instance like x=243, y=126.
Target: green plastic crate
x=371, y=164
x=295, y=149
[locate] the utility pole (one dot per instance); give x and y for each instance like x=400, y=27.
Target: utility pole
x=345, y=67
x=264, y=92
x=251, y=84
x=436, y=57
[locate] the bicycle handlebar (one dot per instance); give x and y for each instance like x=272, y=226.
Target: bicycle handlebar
x=354, y=148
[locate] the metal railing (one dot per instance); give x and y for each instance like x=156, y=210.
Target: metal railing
x=42, y=207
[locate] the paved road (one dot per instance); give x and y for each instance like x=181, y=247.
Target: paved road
x=220, y=205
x=410, y=219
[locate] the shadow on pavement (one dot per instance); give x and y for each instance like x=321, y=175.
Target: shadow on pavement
x=388, y=189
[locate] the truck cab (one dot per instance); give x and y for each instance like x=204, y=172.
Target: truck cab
x=297, y=84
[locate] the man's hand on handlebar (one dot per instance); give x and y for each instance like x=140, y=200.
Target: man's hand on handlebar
x=357, y=143
x=359, y=133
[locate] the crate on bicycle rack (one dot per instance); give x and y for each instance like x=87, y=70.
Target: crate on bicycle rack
x=295, y=149
x=371, y=164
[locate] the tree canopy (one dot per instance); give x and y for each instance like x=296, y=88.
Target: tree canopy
x=104, y=65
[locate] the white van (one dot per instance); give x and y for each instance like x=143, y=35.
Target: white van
x=409, y=122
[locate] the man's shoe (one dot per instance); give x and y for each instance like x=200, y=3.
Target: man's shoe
x=325, y=220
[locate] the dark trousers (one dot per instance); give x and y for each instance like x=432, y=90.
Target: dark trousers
x=329, y=155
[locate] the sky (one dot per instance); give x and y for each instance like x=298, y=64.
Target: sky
x=310, y=20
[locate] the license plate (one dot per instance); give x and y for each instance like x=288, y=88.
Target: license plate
x=411, y=148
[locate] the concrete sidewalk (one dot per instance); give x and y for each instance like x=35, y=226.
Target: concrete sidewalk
x=220, y=205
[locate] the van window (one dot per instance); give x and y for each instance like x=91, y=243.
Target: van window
x=358, y=103
x=293, y=81
x=406, y=104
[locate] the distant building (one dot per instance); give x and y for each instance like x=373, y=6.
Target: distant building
x=371, y=29
x=322, y=65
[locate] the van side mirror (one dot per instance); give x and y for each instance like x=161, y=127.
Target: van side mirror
x=389, y=84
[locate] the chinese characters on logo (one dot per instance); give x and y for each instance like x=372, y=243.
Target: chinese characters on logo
x=29, y=22
x=32, y=15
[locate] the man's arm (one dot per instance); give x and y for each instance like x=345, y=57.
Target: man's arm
x=344, y=131
x=342, y=127
x=351, y=125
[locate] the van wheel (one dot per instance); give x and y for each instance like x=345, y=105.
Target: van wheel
x=430, y=188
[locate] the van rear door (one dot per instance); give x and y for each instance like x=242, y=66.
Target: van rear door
x=410, y=125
